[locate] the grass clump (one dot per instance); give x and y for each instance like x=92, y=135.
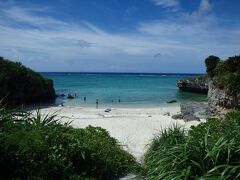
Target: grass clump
x=40, y=147
x=210, y=150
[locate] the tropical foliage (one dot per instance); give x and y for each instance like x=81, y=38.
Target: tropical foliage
x=19, y=84
x=209, y=151
x=211, y=63
x=33, y=146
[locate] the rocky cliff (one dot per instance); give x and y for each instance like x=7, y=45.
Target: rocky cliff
x=221, y=98
x=197, y=85
x=216, y=96
x=221, y=83
x=20, y=85
x=224, y=82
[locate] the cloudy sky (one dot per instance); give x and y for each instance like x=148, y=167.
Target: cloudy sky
x=162, y=36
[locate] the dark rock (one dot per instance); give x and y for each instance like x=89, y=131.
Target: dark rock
x=197, y=85
x=177, y=116
x=193, y=111
x=190, y=117
x=198, y=109
x=172, y=101
x=166, y=113
x=62, y=95
x=70, y=96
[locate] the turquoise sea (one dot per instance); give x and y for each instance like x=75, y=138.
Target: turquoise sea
x=120, y=89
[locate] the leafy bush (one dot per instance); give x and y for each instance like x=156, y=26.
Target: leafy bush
x=232, y=64
x=36, y=146
x=162, y=160
x=232, y=84
x=209, y=151
x=19, y=84
x=211, y=62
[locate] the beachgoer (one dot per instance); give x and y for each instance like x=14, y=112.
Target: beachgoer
x=97, y=104
x=84, y=98
x=62, y=104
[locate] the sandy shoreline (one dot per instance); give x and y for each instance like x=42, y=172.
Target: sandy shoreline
x=134, y=128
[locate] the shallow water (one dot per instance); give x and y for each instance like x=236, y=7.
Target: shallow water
x=120, y=90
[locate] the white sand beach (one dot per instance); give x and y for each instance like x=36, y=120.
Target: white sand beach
x=134, y=128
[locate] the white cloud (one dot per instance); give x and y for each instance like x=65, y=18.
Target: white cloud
x=25, y=15
x=68, y=38
x=199, y=33
x=156, y=45
x=166, y=3
x=204, y=9
x=205, y=6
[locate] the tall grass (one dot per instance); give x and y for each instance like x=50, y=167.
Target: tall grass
x=209, y=151
x=37, y=146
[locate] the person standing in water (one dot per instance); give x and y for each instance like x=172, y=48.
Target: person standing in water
x=84, y=98
x=97, y=104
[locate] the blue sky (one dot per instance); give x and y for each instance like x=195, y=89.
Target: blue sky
x=119, y=35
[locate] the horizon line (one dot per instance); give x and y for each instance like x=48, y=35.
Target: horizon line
x=75, y=72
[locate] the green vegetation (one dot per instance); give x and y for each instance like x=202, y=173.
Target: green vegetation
x=226, y=75
x=39, y=147
x=210, y=150
x=211, y=63
x=231, y=65
x=19, y=84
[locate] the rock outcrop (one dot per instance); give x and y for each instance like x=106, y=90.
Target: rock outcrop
x=172, y=101
x=70, y=96
x=224, y=84
x=20, y=85
x=197, y=85
x=220, y=98
x=193, y=111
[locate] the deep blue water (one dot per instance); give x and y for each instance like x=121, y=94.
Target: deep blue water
x=132, y=90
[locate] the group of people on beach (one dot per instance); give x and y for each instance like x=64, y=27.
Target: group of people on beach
x=85, y=99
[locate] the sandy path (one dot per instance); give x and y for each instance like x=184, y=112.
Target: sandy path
x=133, y=128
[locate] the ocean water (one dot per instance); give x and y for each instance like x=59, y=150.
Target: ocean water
x=120, y=89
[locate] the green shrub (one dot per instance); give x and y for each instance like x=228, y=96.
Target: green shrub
x=211, y=62
x=19, y=85
x=232, y=64
x=164, y=157
x=210, y=150
x=232, y=84
x=219, y=69
x=36, y=146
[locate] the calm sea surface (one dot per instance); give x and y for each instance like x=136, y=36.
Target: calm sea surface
x=132, y=90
